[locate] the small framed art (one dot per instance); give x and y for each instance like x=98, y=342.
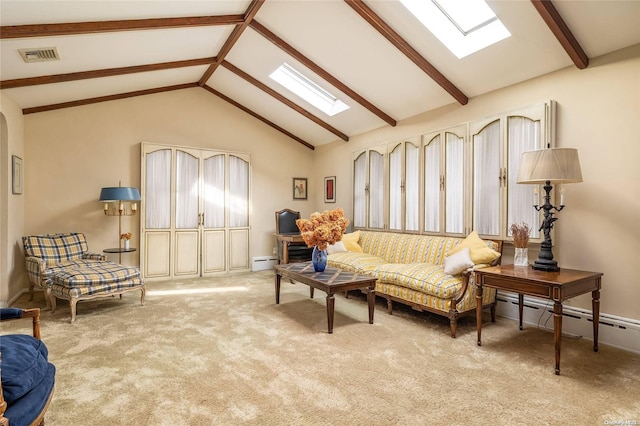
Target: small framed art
x=299, y=188
x=17, y=184
x=330, y=189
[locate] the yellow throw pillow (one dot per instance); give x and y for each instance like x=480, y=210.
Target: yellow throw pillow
x=351, y=241
x=478, y=250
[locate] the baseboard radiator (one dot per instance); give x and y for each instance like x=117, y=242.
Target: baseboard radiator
x=615, y=331
x=263, y=263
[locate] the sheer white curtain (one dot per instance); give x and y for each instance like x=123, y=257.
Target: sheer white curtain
x=432, y=185
x=158, y=190
x=214, y=191
x=486, y=185
x=454, y=186
x=412, y=187
x=395, y=188
x=524, y=135
x=359, y=191
x=376, y=190
x=187, y=171
x=238, y=192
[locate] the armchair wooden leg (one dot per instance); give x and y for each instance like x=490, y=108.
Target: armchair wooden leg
x=72, y=303
x=142, y=291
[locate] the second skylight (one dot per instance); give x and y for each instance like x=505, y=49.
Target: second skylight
x=302, y=86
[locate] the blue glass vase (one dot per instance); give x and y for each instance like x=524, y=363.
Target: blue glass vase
x=319, y=259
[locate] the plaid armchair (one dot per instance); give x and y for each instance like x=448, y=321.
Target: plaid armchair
x=63, y=267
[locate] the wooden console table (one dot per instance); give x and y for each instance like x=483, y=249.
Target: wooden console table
x=288, y=239
x=556, y=286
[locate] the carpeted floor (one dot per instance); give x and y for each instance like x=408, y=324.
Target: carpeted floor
x=221, y=352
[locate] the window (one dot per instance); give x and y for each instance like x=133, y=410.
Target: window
x=455, y=180
x=464, y=27
x=302, y=86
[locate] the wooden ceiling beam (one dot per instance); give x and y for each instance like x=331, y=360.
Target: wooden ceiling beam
x=401, y=44
x=107, y=98
x=74, y=28
x=251, y=12
x=559, y=28
x=237, y=71
x=262, y=30
x=110, y=72
x=258, y=116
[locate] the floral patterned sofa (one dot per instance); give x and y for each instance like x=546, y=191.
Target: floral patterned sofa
x=62, y=265
x=411, y=269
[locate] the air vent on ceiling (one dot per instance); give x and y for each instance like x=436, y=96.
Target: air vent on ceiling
x=39, y=55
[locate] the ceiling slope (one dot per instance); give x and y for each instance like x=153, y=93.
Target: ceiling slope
x=373, y=55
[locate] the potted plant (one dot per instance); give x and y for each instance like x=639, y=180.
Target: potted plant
x=520, y=235
x=126, y=237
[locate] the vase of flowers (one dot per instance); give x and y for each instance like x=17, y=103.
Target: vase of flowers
x=320, y=230
x=125, y=240
x=520, y=235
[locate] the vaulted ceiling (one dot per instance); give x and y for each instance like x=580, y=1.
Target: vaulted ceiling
x=373, y=55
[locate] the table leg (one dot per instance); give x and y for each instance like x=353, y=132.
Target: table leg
x=595, y=306
x=330, y=304
x=277, y=289
x=310, y=292
x=371, y=298
x=557, y=332
x=479, y=311
x=285, y=252
x=520, y=307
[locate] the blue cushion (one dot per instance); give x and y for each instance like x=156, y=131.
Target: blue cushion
x=10, y=313
x=27, y=408
x=24, y=365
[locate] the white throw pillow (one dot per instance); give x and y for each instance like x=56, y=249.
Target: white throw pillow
x=336, y=248
x=457, y=262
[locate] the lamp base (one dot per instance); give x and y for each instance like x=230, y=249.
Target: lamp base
x=545, y=265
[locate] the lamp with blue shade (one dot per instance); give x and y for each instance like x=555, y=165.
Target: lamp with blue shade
x=120, y=201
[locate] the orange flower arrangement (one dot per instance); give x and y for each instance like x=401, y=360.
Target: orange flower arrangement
x=323, y=228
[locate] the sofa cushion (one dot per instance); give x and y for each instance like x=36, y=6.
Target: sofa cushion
x=425, y=277
x=24, y=365
x=350, y=241
x=458, y=262
x=478, y=249
x=361, y=263
x=336, y=248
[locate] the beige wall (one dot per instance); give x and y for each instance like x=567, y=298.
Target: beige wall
x=11, y=205
x=70, y=154
x=599, y=114
x=74, y=152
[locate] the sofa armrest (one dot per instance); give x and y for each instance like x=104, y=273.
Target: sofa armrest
x=35, y=269
x=94, y=256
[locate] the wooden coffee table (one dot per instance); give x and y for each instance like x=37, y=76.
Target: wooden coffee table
x=331, y=281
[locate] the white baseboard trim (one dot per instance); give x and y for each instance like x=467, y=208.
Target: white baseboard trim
x=6, y=304
x=623, y=333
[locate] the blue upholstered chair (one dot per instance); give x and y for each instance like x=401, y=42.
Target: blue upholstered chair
x=27, y=376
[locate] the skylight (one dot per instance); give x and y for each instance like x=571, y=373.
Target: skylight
x=293, y=80
x=464, y=26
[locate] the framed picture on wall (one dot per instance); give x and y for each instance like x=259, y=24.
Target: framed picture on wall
x=330, y=189
x=299, y=188
x=17, y=184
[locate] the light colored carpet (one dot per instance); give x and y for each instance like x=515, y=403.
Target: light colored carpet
x=221, y=352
